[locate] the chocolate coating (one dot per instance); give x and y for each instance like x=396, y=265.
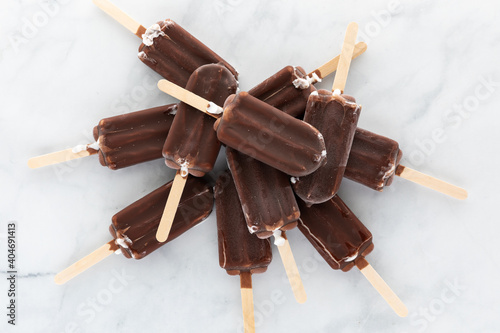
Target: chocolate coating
x=335, y=232
x=134, y=227
x=178, y=54
x=134, y=137
x=265, y=194
x=373, y=160
x=336, y=117
x=270, y=136
x=192, y=140
x=239, y=251
x=278, y=90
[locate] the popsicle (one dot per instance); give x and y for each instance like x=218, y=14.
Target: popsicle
x=269, y=208
x=267, y=198
x=122, y=140
x=260, y=131
x=344, y=242
x=134, y=227
x=167, y=48
x=192, y=146
x=374, y=160
x=240, y=253
x=336, y=116
x=289, y=89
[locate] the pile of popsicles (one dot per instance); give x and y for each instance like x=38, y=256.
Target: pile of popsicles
x=288, y=148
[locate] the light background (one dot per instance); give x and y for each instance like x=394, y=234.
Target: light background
x=425, y=62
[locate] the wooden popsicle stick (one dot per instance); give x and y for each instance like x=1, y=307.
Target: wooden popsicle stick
x=173, y=200
x=345, y=57
x=331, y=66
x=384, y=290
x=292, y=271
x=87, y=262
x=247, y=302
x=431, y=182
x=121, y=17
x=189, y=98
x=58, y=157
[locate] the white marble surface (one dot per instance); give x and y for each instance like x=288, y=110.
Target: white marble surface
x=79, y=66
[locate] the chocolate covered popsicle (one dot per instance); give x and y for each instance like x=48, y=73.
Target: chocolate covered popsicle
x=337, y=234
x=175, y=54
x=134, y=227
x=122, y=140
x=267, y=198
x=279, y=90
x=343, y=241
x=289, y=89
x=167, y=48
x=273, y=137
x=269, y=207
x=336, y=116
x=260, y=131
x=374, y=160
x=240, y=253
x=192, y=146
